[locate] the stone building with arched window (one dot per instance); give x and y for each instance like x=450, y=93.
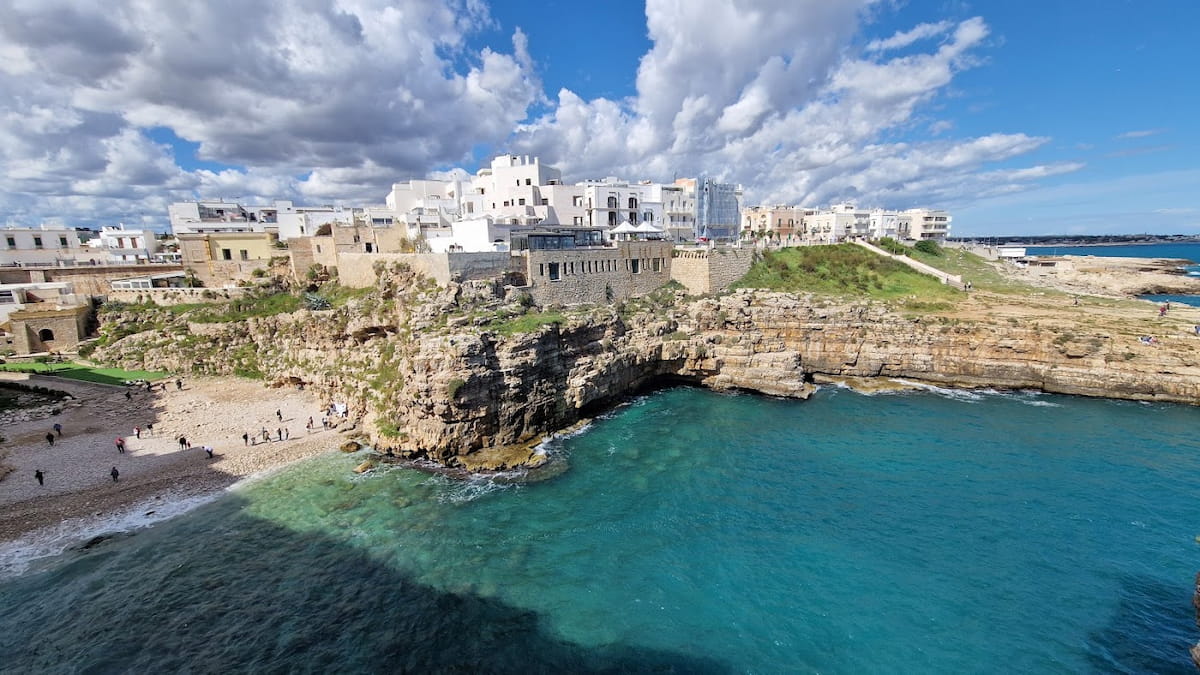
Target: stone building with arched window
x=52, y=329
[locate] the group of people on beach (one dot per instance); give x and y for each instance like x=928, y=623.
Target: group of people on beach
x=282, y=433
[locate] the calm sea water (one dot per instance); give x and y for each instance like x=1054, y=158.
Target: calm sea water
x=693, y=532
x=1183, y=251
x=1192, y=300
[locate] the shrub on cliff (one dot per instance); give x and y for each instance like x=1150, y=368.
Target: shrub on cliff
x=892, y=246
x=928, y=247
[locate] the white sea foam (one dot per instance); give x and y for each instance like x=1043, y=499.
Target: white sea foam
x=968, y=395
x=1043, y=404
x=18, y=556
x=463, y=491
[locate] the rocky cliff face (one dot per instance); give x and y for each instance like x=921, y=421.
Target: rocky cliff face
x=425, y=372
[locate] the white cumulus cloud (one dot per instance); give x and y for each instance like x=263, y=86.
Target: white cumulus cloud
x=328, y=100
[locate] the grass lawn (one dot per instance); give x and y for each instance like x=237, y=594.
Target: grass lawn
x=76, y=371
x=526, y=323
x=844, y=270
x=983, y=274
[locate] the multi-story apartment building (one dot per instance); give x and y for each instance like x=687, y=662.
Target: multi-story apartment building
x=718, y=209
x=121, y=244
x=679, y=209
x=927, y=224
x=837, y=223
x=884, y=223
x=612, y=201
x=282, y=218
x=785, y=223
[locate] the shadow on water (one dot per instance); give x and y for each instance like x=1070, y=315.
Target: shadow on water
x=1151, y=631
x=221, y=591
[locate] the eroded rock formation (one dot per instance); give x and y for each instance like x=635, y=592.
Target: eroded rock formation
x=432, y=372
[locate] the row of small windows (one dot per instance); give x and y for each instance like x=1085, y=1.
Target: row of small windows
x=37, y=242
x=612, y=202
x=520, y=202
x=555, y=271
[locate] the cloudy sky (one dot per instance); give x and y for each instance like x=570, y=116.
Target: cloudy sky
x=1062, y=116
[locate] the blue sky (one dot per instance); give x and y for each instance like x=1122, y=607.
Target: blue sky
x=1022, y=118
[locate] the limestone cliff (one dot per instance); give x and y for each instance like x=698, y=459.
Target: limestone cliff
x=435, y=373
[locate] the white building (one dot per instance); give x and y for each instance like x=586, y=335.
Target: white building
x=281, y=217
x=303, y=221
x=611, y=201
x=884, y=223
x=679, y=209
x=836, y=224
x=117, y=245
x=45, y=245
x=206, y=217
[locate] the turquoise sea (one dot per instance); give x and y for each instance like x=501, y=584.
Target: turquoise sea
x=927, y=532
x=1190, y=300
x=1189, y=251
x=1181, y=251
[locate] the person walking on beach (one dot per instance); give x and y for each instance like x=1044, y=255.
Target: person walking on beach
x=209, y=450
x=114, y=473
x=246, y=438
x=178, y=384
x=41, y=477
x=266, y=435
x=279, y=414
x=58, y=429
x=149, y=429
x=279, y=434
x=286, y=433
x=1162, y=311
x=183, y=443
x=309, y=426
x=120, y=445
x=50, y=438
x=137, y=432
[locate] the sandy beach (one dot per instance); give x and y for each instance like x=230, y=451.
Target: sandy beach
x=77, y=468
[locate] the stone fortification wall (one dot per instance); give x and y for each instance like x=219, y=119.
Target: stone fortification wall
x=226, y=273
x=597, y=275
x=710, y=270
x=175, y=296
x=357, y=270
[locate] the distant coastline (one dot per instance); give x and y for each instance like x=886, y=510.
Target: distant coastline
x=1080, y=240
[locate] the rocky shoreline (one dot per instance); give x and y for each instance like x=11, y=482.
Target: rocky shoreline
x=433, y=374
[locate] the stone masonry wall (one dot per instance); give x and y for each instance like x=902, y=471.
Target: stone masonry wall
x=174, y=296
x=68, y=325
x=710, y=270
x=597, y=275
x=357, y=270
